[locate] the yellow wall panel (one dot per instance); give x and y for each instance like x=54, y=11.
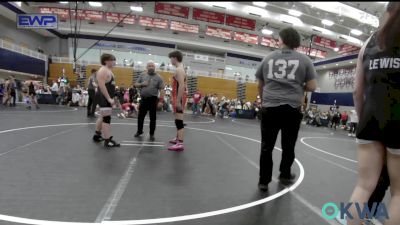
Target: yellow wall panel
x=166, y=76
x=123, y=76
x=218, y=86
x=55, y=71
x=251, y=91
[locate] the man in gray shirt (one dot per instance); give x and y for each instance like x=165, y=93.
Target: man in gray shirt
x=91, y=88
x=150, y=85
x=283, y=77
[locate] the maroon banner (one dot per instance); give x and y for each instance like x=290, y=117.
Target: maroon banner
x=314, y=52
x=208, y=16
x=90, y=15
x=153, y=22
x=62, y=13
x=184, y=27
x=347, y=49
x=245, y=37
x=324, y=42
x=240, y=22
x=269, y=42
x=128, y=20
x=171, y=10
x=218, y=32
x=112, y=17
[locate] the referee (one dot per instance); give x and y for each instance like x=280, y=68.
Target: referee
x=150, y=85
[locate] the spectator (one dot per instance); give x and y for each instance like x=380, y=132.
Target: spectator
x=353, y=123
x=343, y=118
x=133, y=94
x=1, y=92
x=196, y=103
x=54, y=91
x=91, y=90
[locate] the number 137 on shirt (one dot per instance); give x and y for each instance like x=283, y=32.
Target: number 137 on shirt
x=279, y=68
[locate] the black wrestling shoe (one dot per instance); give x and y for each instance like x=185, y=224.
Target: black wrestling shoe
x=110, y=143
x=263, y=187
x=152, y=138
x=138, y=134
x=97, y=137
x=287, y=180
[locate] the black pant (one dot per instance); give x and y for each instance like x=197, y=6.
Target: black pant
x=286, y=119
x=148, y=104
x=91, y=106
x=54, y=94
x=14, y=97
x=353, y=128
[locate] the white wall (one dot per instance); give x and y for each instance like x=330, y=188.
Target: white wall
x=30, y=39
x=56, y=46
x=326, y=83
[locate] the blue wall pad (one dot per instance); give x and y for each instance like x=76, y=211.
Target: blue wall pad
x=342, y=99
x=21, y=63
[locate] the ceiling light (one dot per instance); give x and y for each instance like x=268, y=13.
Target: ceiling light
x=260, y=4
x=323, y=30
x=265, y=31
x=336, y=49
x=337, y=64
x=228, y=68
x=356, y=32
x=137, y=8
x=149, y=54
x=255, y=10
x=327, y=22
x=352, y=39
x=351, y=61
x=139, y=62
x=346, y=10
x=226, y=5
x=295, y=12
x=19, y=4
x=95, y=4
x=291, y=19
x=63, y=2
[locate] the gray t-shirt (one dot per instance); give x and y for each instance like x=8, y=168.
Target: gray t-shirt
x=91, y=80
x=156, y=83
x=285, y=73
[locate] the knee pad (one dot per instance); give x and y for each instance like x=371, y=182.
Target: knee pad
x=107, y=119
x=179, y=124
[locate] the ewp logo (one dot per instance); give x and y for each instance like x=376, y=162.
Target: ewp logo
x=331, y=211
x=30, y=21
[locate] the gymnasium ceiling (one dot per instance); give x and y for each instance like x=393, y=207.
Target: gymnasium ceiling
x=346, y=16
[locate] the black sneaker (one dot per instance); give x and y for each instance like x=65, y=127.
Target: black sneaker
x=98, y=138
x=110, y=143
x=263, y=187
x=287, y=180
x=138, y=134
x=152, y=138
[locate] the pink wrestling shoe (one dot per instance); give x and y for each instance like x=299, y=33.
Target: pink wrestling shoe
x=178, y=147
x=174, y=141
